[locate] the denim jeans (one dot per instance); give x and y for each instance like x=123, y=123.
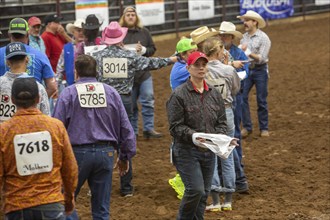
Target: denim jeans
x=126, y=186
x=225, y=167
x=196, y=171
x=95, y=163
x=144, y=93
x=259, y=78
x=239, y=167
x=54, y=211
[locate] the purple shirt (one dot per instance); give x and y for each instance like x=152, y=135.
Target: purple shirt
x=92, y=125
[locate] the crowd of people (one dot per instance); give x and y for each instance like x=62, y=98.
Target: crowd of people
x=69, y=111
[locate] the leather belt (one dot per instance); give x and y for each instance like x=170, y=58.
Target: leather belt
x=99, y=143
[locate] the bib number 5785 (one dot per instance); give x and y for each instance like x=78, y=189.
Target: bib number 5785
x=92, y=99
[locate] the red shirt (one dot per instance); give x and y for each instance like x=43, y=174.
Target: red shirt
x=54, y=44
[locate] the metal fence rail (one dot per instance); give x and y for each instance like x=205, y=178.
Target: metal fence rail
x=176, y=13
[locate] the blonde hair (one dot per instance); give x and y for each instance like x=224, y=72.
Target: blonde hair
x=212, y=46
x=123, y=23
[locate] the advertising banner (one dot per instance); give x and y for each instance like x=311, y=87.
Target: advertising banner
x=201, y=9
x=322, y=2
x=268, y=9
x=97, y=7
x=151, y=12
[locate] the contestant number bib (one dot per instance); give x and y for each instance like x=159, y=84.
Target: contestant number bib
x=91, y=95
x=7, y=108
x=33, y=153
x=115, y=67
x=220, y=85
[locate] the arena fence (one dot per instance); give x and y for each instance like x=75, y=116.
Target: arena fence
x=176, y=13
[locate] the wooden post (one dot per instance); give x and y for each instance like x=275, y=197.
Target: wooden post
x=176, y=15
x=58, y=8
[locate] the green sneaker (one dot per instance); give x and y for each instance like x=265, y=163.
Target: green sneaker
x=177, y=185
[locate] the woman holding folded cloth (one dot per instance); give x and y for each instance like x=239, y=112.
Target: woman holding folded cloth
x=195, y=106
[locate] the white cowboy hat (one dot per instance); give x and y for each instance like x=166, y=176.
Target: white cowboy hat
x=77, y=24
x=229, y=28
x=202, y=33
x=254, y=16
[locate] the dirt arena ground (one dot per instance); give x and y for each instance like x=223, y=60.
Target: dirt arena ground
x=288, y=173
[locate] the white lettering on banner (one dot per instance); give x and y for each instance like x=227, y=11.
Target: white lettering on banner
x=91, y=95
x=33, y=153
x=267, y=5
x=115, y=67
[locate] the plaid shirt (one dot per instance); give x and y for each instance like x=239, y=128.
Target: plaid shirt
x=124, y=84
x=259, y=43
x=20, y=192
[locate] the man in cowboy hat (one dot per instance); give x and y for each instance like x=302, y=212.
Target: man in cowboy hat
x=140, y=39
x=256, y=45
x=117, y=67
x=54, y=37
x=228, y=33
x=199, y=35
x=91, y=32
x=35, y=39
x=65, y=65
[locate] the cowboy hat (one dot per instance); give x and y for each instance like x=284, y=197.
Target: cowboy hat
x=229, y=28
x=114, y=33
x=254, y=16
x=202, y=33
x=92, y=22
x=77, y=24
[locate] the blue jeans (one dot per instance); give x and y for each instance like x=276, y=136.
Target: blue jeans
x=126, y=186
x=227, y=171
x=95, y=163
x=54, y=211
x=239, y=167
x=259, y=78
x=196, y=170
x=144, y=93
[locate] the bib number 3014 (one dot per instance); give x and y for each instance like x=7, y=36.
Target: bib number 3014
x=115, y=67
x=33, y=153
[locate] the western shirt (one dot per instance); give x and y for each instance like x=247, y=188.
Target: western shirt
x=92, y=125
x=20, y=192
x=190, y=111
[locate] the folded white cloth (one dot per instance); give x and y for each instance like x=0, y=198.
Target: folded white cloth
x=217, y=143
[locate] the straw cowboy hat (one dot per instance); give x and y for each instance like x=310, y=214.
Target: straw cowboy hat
x=114, y=33
x=202, y=33
x=77, y=24
x=254, y=16
x=229, y=28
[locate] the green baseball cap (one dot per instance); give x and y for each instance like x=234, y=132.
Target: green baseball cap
x=19, y=26
x=185, y=44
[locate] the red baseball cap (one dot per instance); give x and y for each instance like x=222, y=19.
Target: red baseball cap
x=193, y=57
x=34, y=21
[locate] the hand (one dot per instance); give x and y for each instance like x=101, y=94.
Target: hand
x=69, y=206
x=203, y=140
x=174, y=59
x=123, y=166
x=243, y=47
x=138, y=47
x=234, y=142
x=60, y=30
x=237, y=64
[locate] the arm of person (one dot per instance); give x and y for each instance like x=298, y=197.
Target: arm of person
x=221, y=123
x=264, y=49
x=175, y=114
x=236, y=83
x=69, y=171
x=51, y=87
x=152, y=63
x=63, y=34
x=60, y=69
x=44, y=101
